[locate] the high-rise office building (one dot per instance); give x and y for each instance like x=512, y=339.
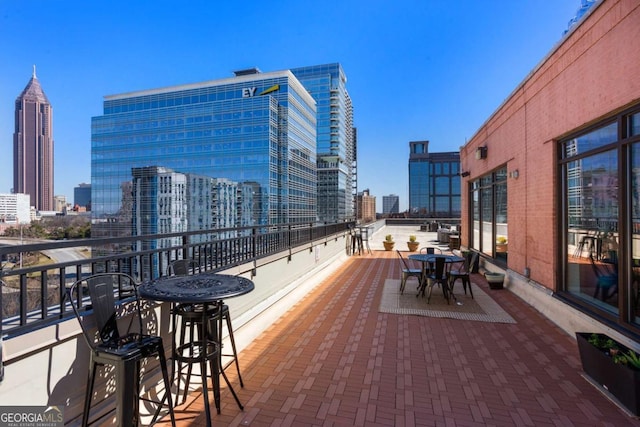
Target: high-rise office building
x=257, y=130
x=336, y=140
x=434, y=181
x=33, y=146
x=82, y=196
x=390, y=204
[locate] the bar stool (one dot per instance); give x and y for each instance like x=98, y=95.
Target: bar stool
x=189, y=317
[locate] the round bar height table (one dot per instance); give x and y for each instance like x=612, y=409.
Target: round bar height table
x=206, y=289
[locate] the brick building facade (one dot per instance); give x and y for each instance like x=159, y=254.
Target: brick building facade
x=532, y=169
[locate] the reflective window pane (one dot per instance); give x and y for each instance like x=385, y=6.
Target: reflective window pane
x=592, y=233
x=594, y=139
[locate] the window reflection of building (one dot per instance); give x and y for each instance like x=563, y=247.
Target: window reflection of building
x=489, y=206
x=596, y=266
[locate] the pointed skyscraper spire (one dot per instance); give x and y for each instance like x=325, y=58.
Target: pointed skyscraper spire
x=33, y=92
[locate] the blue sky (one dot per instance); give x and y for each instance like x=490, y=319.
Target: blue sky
x=417, y=70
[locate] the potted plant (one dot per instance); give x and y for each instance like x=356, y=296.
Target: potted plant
x=501, y=244
x=388, y=242
x=495, y=280
x=412, y=244
x=613, y=366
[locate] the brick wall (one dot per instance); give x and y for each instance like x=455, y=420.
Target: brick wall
x=591, y=74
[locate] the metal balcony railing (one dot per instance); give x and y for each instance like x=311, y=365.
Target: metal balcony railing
x=33, y=296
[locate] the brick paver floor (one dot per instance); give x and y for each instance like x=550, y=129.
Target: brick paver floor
x=334, y=360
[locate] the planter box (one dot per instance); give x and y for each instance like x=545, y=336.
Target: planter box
x=495, y=280
x=618, y=379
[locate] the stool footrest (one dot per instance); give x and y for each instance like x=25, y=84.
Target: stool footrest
x=196, y=351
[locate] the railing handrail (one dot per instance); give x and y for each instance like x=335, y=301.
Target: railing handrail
x=144, y=256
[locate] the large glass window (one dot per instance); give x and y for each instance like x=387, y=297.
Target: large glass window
x=489, y=209
x=601, y=215
x=593, y=229
x=634, y=261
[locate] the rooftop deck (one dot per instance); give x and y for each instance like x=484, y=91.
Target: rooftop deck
x=335, y=360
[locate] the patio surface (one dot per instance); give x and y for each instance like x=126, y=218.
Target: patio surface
x=334, y=360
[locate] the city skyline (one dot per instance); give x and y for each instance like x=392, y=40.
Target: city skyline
x=417, y=70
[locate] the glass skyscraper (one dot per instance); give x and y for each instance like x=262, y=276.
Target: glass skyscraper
x=390, y=204
x=336, y=140
x=434, y=182
x=253, y=134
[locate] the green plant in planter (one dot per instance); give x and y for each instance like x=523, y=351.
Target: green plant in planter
x=598, y=341
x=412, y=244
x=388, y=242
x=632, y=359
x=613, y=366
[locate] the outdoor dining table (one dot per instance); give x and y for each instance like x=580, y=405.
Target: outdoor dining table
x=207, y=289
x=427, y=259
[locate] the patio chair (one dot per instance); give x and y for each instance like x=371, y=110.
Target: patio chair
x=95, y=296
x=430, y=250
x=182, y=267
x=438, y=276
x=407, y=272
x=463, y=274
x=190, y=323
x=606, y=279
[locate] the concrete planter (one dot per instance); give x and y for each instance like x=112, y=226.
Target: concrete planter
x=495, y=280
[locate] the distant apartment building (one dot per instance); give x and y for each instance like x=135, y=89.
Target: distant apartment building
x=390, y=204
x=335, y=140
x=255, y=129
x=60, y=203
x=166, y=202
x=434, y=182
x=366, y=206
x=82, y=196
x=33, y=146
x=15, y=208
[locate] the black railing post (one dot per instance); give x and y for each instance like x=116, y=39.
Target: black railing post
x=185, y=247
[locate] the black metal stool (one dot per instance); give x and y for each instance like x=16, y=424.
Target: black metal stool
x=190, y=323
x=190, y=318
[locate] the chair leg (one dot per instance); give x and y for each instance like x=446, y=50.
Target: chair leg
x=403, y=281
x=91, y=379
x=167, y=388
x=233, y=347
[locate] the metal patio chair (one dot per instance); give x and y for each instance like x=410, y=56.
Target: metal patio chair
x=96, y=297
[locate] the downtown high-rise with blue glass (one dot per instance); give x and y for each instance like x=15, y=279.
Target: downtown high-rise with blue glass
x=255, y=130
x=434, y=182
x=336, y=149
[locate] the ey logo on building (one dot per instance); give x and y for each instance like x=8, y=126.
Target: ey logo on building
x=249, y=92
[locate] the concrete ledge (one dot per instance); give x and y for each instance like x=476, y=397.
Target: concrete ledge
x=564, y=316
